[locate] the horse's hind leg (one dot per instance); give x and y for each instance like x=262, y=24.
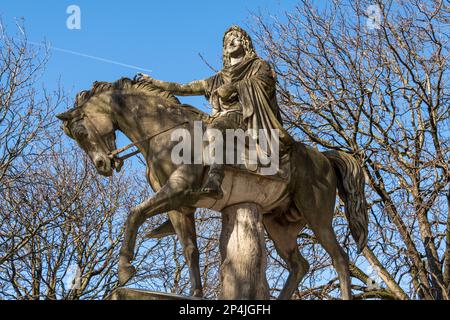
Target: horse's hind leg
x=284, y=235
x=184, y=225
x=321, y=225
x=327, y=239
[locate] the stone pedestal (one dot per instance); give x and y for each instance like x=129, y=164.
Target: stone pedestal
x=243, y=254
x=137, y=294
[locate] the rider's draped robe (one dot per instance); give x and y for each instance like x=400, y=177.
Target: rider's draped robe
x=256, y=96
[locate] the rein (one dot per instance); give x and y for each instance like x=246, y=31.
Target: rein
x=113, y=154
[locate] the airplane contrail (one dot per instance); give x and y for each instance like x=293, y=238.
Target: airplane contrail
x=80, y=54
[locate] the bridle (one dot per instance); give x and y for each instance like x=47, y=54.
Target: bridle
x=113, y=155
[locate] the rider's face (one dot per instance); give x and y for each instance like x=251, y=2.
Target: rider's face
x=234, y=45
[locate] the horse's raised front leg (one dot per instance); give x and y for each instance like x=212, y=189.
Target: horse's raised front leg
x=177, y=192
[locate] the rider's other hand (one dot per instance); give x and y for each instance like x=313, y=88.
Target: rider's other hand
x=226, y=90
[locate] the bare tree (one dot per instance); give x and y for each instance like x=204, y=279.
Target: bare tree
x=26, y=115
x=25, y=110
x=75, y=219
x=378, y=90
x=60, y=224
x=372, y=78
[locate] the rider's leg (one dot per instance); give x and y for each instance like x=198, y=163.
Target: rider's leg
x=212, y=187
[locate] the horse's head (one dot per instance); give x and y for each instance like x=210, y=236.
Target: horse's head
x=90, y=123
x=94, y=131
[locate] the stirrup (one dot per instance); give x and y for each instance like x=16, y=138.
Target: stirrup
x=216, y=194
x=212, y=188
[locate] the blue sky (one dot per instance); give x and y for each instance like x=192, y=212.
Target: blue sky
x=163, y=36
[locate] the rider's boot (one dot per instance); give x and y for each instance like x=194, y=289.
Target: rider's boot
x=212, y=187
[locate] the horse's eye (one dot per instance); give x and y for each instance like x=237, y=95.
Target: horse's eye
x=80, y=132
x=66, y=130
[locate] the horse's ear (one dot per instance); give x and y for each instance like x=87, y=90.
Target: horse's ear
x=65, y=116
x=70, y=114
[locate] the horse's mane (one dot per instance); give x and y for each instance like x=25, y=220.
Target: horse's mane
x=123, y=84
x=145, y=87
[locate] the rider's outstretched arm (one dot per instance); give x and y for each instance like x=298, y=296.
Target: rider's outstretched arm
x=193, y=88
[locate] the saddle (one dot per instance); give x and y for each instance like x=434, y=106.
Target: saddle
x=282, y=169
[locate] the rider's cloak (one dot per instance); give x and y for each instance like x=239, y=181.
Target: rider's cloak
x=255, y=84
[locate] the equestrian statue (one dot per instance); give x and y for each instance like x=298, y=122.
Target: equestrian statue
x=243, y=96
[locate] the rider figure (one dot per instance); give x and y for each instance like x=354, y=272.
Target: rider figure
x=242, y=95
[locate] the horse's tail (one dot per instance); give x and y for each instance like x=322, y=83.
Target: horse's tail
x=351, y=191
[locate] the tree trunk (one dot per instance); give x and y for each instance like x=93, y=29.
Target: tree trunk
x=243, y=253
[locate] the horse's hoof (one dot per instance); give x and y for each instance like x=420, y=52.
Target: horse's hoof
x=126, y=273
x=198, y=293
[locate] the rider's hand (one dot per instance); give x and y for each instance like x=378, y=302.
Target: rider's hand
x=226, y=90
x=143, y=77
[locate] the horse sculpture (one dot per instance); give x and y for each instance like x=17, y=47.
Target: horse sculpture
x=147, y=116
